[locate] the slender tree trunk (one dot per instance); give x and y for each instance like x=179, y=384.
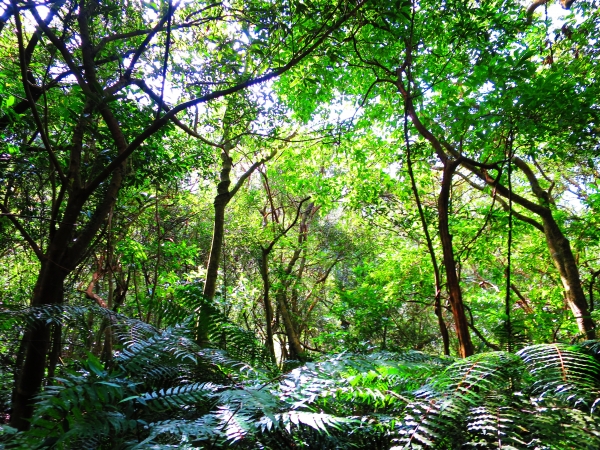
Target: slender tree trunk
x=224, y=196
x=558, y=244
x=264, y=272
x=454, y=291
x=436, y=270
x=221, y=200
x=296, y=351
x=212, y=270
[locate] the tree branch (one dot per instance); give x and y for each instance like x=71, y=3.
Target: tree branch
x=36, y=249
x=160, y=122
x=150, y=93
x=285, y=231
x=24, y=57
x=249, y=172
x=518, y=215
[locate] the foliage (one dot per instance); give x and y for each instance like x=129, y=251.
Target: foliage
x=331, y=289
x=162, y=390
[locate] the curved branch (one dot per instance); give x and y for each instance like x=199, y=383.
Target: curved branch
x=249, y=172
x=12, y=217
x=157, y=124
x=150, y=93
x=531, y=9
x=518, y=215
x=142, y=48
x=533, y=181
x=24, y=57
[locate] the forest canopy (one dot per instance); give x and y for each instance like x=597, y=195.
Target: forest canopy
x=299, y=224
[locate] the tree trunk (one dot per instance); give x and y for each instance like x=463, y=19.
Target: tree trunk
x=454, y=291
x=558, y=244
x=264, y=272
x=224, y=196
x=436, y=270
x=221, y=200
x=49, y=290
x=564, y=260
x=289, y=321
x=56, y=264
x=296, y=351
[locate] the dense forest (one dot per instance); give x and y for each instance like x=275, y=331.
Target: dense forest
x=277, y=224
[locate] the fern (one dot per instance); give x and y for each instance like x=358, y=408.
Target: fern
x=239, y=343
x=542, y=397
x=164, y=391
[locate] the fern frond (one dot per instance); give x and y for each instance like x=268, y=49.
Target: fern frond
x=177, y=397
x=562, y=372
x=180, y=431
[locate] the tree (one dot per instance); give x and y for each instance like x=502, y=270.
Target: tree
x=467, y=94
x=102, y=56
x=441, y=176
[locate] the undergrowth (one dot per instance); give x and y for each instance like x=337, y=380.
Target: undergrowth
x=161, y=390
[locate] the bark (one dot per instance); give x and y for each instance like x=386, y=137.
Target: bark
x=454, y=291
x=35, y=345
x=296, y=351
x=264, y=273
x=60, y=259
x=436, y=270
x=224, y=196
x=558, y=244
x=221, y=200
x=56, y=349
x=564, y=261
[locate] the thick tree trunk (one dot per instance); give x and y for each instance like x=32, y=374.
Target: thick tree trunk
x=454, y=291
x=56, y=264
x=558, y=244
x=564, y=260
x=49, y=290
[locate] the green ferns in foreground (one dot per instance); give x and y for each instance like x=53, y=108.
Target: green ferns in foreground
x=163, y=391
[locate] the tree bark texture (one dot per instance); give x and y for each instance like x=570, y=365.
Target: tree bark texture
x=564, y=261
x=221, y=200
x=560, y=249
x=558, y=244
x=62, y=256
x=287, y=308
x=36, y=344
x=264, y=273
x=454, y=291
